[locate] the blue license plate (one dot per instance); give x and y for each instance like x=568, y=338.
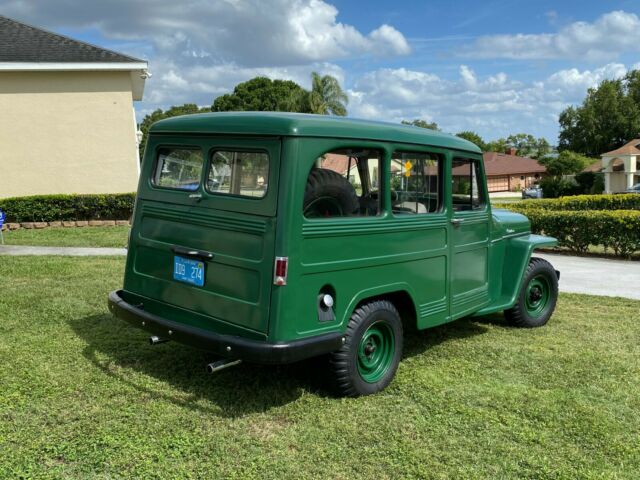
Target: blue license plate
x=188, y=271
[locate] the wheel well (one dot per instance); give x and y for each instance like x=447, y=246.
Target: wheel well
x=403, y=302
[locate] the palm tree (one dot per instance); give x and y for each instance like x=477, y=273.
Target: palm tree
x=326, y=96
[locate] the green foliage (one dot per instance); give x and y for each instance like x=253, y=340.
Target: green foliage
x=54, y=208
x=618, y=230
x=326, y=96
x=422, y=124
x=110, y=237
x=565, y=163
x=590, y=182
x=526, y=145
x=608, y=117
x=261, y=94
x=473, y=137
x=554, y=187
x=630, y=201
x=612, y=221
x=159, y=114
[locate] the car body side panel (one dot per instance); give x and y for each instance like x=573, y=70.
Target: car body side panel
x=516, y=252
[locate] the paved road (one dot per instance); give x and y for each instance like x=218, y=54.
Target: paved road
x=597, y=276
x=593, y=276
x=64, y=251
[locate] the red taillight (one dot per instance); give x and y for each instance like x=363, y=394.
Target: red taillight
x=280, y=271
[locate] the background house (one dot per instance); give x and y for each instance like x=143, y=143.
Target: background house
x=67, y=123
x=620, y=167
x=507, y=172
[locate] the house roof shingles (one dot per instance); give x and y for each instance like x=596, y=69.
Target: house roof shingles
x=23, y=43
x=504, y=164
x=629, y=148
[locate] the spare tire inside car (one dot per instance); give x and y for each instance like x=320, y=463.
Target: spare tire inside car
x=329, y=194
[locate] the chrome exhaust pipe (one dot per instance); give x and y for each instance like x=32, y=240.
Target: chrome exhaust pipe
x=154, y=340
x=218, y=365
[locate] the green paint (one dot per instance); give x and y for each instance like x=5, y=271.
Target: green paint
x=537, y=295
x=445, y=271
x=375, y=352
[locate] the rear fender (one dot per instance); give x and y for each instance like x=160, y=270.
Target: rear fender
x=376, y=292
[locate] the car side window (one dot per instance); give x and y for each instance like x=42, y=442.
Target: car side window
x=416, y=183
x=344, y=183
x=178, y=168
x=465, y=185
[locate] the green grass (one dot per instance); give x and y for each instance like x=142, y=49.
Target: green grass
x=84, y=396
x=69, y=237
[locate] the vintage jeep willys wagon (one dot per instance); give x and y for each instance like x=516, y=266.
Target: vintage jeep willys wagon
x=272, y=238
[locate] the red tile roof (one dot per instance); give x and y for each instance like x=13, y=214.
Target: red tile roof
x=629, y=148
x=504, y=164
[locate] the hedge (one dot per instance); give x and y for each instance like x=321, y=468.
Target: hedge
x=630, y=201
x=55, y=208
x=618, y=230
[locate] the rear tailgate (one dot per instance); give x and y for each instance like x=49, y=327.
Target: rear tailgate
x=237, y=228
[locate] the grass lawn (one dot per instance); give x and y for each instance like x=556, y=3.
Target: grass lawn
x=69, y=237
x=84, y=396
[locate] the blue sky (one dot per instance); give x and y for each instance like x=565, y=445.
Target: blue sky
x=495, y=67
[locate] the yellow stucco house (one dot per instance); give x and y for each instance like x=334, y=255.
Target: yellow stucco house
x=67, y=123
x=621, y=167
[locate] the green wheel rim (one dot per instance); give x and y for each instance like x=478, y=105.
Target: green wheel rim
x=537, y=295
x=375, y=352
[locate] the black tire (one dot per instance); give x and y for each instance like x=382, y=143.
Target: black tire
x=523, y=314
x=329, y=194
x=346, y=363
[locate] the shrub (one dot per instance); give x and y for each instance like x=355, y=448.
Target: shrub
x=53, y=208
x=629, y=201
x=576, y=230
x=555, y=187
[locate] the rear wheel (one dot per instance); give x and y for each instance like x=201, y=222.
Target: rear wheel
x=537, y=298
x=369, y=358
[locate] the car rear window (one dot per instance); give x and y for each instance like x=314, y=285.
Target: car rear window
x=239, y=173
x=178, y=168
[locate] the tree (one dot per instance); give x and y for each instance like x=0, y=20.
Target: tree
x=326, y=96
x=565, y=163
x=608, y=117
x=262, y=94
x=526, y=145
x=473, y=137
x=159, y=114
x=422, y=124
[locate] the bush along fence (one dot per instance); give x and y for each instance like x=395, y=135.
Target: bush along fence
x=610, y=221
x=40, y=211
x=630, y=201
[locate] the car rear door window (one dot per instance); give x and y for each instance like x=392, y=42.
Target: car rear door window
x=178, y=168
x=245, y=174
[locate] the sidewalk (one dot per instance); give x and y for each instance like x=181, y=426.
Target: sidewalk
x=19, y=250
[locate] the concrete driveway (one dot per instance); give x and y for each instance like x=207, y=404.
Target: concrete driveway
x=596, y=276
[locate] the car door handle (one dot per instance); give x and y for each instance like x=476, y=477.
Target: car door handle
x=456, y=221
x=190, y=252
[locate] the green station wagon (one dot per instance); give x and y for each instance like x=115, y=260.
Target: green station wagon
x=272, y=238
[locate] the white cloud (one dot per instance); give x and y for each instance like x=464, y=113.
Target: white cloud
x=251, y=33
x=610, y=35
x=494, y=106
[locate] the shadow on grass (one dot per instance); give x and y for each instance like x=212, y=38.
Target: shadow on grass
x=114, y=347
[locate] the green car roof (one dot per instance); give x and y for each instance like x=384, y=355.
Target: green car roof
x=306, y=125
